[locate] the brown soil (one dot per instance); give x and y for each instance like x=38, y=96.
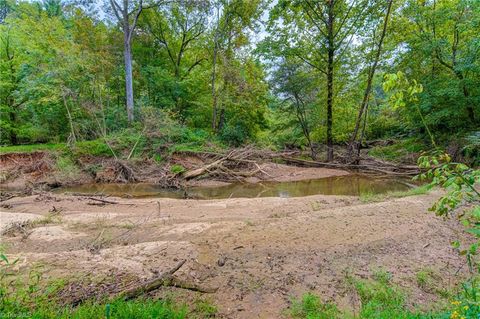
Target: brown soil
x=258, y=252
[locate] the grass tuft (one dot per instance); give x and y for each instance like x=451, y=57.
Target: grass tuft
x=31, y=148
x=379, y=298
x=311, y=307
x=372, y=198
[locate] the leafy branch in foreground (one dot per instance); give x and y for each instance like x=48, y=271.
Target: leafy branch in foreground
x=461, y=185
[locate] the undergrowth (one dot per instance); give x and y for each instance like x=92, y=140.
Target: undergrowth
x=398, y=151
x=131, y=143
x=379, y=298
x=24, y=296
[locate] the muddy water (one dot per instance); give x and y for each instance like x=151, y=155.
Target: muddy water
x=338, y=185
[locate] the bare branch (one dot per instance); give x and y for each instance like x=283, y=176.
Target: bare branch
x=116, y=8
x=135, y=20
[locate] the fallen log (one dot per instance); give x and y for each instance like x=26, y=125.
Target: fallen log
x=151, y=284
x=202, y=170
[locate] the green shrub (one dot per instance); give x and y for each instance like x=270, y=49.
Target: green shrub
x=467, y=303
x=158, y=158
x=397, y=151
x=235, y=135
x=93, y=148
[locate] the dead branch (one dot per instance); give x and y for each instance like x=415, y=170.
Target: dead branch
x=104, y=201
x=151, y=284
x=375, y=166
x=178, y=283
x=202, y=170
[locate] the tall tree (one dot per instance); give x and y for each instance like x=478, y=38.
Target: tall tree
x=295, y=84
x=319, y=33
x=177, y=30
x=234, y=21
x=127, y=14
x=441, y=50
x=354, y=146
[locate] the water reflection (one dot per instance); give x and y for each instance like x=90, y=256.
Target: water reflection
x=339, y=185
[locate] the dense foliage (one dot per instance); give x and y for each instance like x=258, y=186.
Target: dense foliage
x=288, y=73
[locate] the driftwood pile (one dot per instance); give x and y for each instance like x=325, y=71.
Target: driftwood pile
x=235, y=165
x=238, y=164
x=368, y=165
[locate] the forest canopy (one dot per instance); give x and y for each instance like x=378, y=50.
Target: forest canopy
x=286, y=73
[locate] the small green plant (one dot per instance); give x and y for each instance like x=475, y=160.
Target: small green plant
x=424, y=279
x=311, y=307
x=429, y=281
x=205, y=308
x=158, y=158
x=177, y=169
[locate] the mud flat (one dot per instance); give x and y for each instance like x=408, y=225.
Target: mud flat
x=255, y=253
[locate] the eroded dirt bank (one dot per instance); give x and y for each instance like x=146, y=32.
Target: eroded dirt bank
x=44, y=170
x=257, y=252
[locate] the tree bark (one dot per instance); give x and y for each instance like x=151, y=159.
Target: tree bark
x=128, y=79
x=123, y=16
x=13, y=132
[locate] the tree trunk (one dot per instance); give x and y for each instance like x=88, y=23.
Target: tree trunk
x=128, y=78
x=330, y=66
x=221, y=121
x=73, y=137
x=214, y=93
x=466, y=94
x=354, y=146
x=13, y=132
